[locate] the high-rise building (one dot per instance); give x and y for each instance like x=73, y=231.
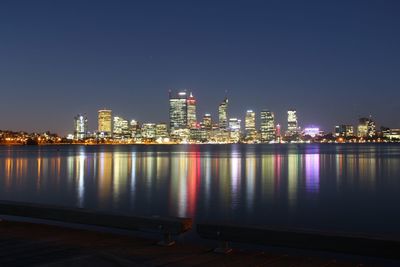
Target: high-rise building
x=105, y=122
x=121, y=128
x=207, y=121
x=366, y=128
x=293, y=127
x=80, y=127
x=344, y=130
x=250, y=124
x=191, y=111
x=267, y=127
x=178, y=110
x=234, y=129
x=223, y=114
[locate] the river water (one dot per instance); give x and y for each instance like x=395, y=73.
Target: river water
x=344, y=187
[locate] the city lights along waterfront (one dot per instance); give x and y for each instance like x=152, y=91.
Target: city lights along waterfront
x=333, y=187
x=185, y=127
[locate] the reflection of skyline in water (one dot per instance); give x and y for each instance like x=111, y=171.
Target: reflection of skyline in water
x=228, y=182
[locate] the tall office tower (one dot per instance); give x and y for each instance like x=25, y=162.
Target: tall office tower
x=223, y=115
x=250, y=123
x=134, y=127
x=161, y=130
x=293, y=127
x=234, y=129
x=178, y=110
x=80, y=127
x=267, y=126
x=366, y=128
x=105, y=122
x=207, y=121
x=191, y=111
x=121, y=128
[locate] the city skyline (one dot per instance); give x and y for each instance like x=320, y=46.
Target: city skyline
x=185, y=128
x=333, y=62
x=289, y=125
x=220, y=117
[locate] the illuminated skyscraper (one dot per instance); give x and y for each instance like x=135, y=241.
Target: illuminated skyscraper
x=105, y=122
x=121, y=128
x=250, y=124
x=178, y=110
x=191, y=111
x=293, y=127
x=234, y=129
x=366, y=128
x=267, y=126
x=80, y=127
x=223, y=114
x=207, y=121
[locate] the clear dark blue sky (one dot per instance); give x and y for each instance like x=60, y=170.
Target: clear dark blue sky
x=331, y=60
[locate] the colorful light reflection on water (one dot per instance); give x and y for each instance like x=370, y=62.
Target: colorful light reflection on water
x=342, y=187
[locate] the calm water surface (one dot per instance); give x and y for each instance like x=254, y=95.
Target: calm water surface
x=329, y=187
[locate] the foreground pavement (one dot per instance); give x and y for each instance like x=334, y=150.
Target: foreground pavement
x=29, y=244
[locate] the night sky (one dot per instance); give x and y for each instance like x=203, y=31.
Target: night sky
x=333, y=61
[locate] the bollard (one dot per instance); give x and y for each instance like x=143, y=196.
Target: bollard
x=223, y=247
x=167, y=240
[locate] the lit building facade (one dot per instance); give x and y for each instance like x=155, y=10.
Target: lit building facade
x=234, y=130
x=366, y=128
x=293, y=128
x=80, y=127
x=161, y=131
x=148, y=131
x=267, y=126
x=121, y=128
x=250, y=125
x=134, y=128
x=344, y=130
x=199, y=135
x=223, y=115
x=312, y=132
x=105, y=122
x=207, y=121
x=191, y=111
x=392, y=134
x=178, y=111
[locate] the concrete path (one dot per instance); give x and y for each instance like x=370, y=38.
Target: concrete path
x=28, y=244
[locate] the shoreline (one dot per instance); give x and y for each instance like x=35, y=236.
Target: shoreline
x=202, y=144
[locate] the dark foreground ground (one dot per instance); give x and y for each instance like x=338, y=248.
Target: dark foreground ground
x=27, y=244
